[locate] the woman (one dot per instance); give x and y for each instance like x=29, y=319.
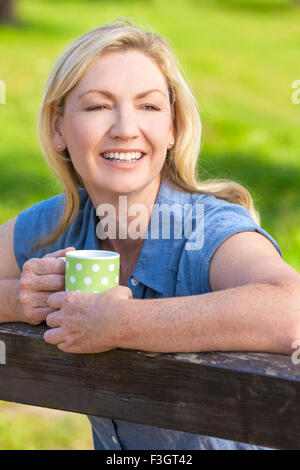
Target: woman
x=118, y=119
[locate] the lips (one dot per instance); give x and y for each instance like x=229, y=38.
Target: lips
x=122, y=153
x=120, y=150
x=122, y=164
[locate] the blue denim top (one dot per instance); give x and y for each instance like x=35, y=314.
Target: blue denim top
x=168, y=266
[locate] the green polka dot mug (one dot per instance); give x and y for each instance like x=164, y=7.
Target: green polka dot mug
x=91, y=270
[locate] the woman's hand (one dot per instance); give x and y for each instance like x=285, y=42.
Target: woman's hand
x=86, y=322
x=40, y=277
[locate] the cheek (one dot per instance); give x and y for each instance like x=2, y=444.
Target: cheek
x=81, y=132
x=157, y=130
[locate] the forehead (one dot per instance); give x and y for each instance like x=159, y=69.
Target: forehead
x=123, y=71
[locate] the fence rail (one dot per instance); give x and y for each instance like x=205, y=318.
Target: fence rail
x=247, y=397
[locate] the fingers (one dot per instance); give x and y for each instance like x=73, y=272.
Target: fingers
x=35, y=316
x=42, y=266
x=49, y=282
x=58, y=253
x=55, y=300
x=41, y=277
x=40, y=299
x=45, y=311
x=54, y=336
x=54, y=319
x=53, y=265
x=48, y=264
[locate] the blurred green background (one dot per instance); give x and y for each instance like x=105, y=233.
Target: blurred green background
x=241, y=58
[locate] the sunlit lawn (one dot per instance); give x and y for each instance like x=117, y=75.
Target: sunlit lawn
x=24, y=427
x=240, y=57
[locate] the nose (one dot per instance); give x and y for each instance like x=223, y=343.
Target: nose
x=125, y=125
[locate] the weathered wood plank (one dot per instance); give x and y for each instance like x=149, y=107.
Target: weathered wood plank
x=248, y=397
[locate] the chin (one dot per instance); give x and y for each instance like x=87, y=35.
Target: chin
x=122, y=188
x=126, y=189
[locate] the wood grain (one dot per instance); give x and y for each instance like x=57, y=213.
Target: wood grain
x=247, y=397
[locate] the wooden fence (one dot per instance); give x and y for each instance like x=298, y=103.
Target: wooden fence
x=247, y=397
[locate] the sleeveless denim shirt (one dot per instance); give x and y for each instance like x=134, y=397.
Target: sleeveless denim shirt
x=168, y=266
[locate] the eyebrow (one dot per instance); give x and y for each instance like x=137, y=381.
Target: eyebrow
x=110, y=95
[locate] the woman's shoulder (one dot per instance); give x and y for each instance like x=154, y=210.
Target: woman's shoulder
x=52, y=205
x=41, y=219
x=212, y=205
x=44, y=215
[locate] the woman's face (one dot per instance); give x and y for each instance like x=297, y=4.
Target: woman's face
x=120, y=105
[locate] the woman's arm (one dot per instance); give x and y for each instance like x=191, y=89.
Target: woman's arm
x=9, y=275
x=9, y=301
x=256, y=307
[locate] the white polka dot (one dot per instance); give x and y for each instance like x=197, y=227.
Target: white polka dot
x=67, y=290
x=104, y=281
x=117, y=279
x=79, y=267
x=95, y=268
x=72, y=279
x=87, y=281
x=95, y=292
x=67, y=264
x=111, y=267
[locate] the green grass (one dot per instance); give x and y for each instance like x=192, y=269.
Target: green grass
x=24, y=427
x=241, y=57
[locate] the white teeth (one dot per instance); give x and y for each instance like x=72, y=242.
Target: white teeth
x=128, y=156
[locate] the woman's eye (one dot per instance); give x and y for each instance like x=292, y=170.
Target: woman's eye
x=153, y=108
x=101, y=107
x=96, y=108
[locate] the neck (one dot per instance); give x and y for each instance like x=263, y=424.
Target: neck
x=124, y=218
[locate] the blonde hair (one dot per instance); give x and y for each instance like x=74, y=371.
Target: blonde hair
x=180, y=167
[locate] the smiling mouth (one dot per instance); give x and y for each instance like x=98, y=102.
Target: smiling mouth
x=123, y=157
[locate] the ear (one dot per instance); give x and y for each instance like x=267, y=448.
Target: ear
x=56, y=131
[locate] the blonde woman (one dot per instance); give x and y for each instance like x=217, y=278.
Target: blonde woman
x=119, y=119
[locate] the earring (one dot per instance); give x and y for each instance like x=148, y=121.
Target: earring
x=59, y=147
x=171, y=143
